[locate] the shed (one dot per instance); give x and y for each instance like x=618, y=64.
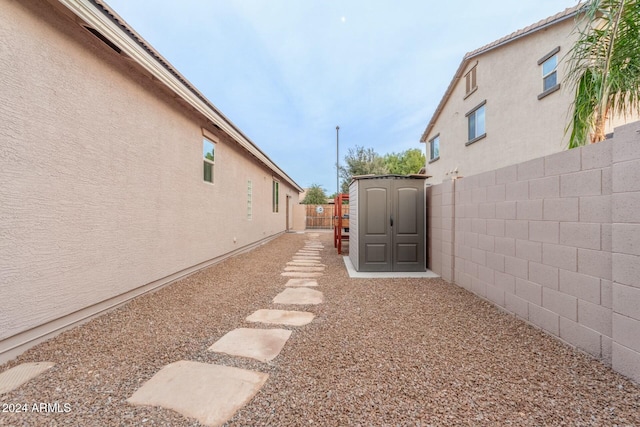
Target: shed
x=387, y=216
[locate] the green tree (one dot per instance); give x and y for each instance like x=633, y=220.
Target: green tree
x=361, y=161
x=604, y=67
x=405, y=163
x=315, y=196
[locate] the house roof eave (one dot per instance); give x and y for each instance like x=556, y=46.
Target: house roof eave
x=516, y=35
x=100, y=16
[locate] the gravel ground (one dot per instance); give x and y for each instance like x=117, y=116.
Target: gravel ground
x=379, y=352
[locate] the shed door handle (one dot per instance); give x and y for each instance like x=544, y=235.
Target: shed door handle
x=391, y=221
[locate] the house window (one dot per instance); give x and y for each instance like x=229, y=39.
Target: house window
x=476, y=123
x=208, y=155
x=549, y=64
x=249, y=200
x=550, y=73
x=275, y=189
x=470, y=79
x=434, y=148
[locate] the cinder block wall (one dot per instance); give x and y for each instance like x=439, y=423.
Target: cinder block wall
x=555, y=241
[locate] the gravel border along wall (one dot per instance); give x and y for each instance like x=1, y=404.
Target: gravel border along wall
x=380, y=352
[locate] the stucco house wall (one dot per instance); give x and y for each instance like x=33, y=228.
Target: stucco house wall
x=103, y=196
x=509, y=80
x=553, y=240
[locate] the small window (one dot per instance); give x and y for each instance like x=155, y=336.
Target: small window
x=249, y=200
x=550, y=73
x=434, y=148
x=549, y=64
x=470, y=79
x=208, y=154
x=476, y=123
x=275, y=189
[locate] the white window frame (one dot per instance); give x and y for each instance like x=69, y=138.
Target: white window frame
x=472, y=116
x=275, y=196
x=434, y=142
x=207, y=161
x=547, y=73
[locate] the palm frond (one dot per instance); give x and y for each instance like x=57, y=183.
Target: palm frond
x=604, y=66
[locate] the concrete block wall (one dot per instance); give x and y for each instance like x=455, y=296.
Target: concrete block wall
x=555, y=241
x=625, y=251
x=440, y=226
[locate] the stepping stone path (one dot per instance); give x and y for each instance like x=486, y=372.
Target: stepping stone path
x=209, y=393
x=281, y=317
x=213, y=393
x=260, y=344
x=18, y=375
x=302, y=282
x=300, y=274
x=301, y=296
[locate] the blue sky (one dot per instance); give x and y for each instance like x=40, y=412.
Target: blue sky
x=287, y=72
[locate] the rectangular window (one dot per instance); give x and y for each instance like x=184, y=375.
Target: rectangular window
x=470, y=80
x=249, y=200
x=476, y=123
x=549, y=73
x=549, y=64
x=275, y=189
x=208, y=155
x=434, y=148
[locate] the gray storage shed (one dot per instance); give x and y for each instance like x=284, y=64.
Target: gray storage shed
x=387, y=216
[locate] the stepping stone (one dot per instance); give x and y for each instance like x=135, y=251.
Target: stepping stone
x=13, y=378
x=307, y=263
x=281, y=317
x=301, y=296
x=209, y=393
x=303, y=268
x=301, y=274
x=260, y=344
x=305, y=256
x=302, y=282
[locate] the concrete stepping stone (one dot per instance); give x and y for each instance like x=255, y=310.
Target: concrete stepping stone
x=13, y=378
x=303, y=268
x=300, y=296
x=306, y=256
x=281, y=317
x=302, y=282
x=301, y=274
x=307, y=263
x=209, y=393
x=260, y=344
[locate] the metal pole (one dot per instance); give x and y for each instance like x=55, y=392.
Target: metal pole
x=337, y=162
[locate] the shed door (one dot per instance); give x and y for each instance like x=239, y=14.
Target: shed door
x=392, y=233
x=374, y=216
x=408, y=226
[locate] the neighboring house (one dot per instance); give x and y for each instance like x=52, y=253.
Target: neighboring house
x=507, y=102
x=117, y=175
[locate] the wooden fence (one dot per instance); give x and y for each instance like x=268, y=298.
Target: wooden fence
x=320, y=216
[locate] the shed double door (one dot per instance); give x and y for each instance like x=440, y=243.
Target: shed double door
x=392, y=218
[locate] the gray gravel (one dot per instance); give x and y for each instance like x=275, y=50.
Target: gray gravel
x=379, y=352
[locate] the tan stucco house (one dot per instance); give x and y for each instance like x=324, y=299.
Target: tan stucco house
x=507, y=102
x=118, y=176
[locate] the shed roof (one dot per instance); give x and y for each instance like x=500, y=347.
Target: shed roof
x=516, y=35
x=97, y=14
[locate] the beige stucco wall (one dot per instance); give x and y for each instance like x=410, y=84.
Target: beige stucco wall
x=519, y=127
x=101, y=172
